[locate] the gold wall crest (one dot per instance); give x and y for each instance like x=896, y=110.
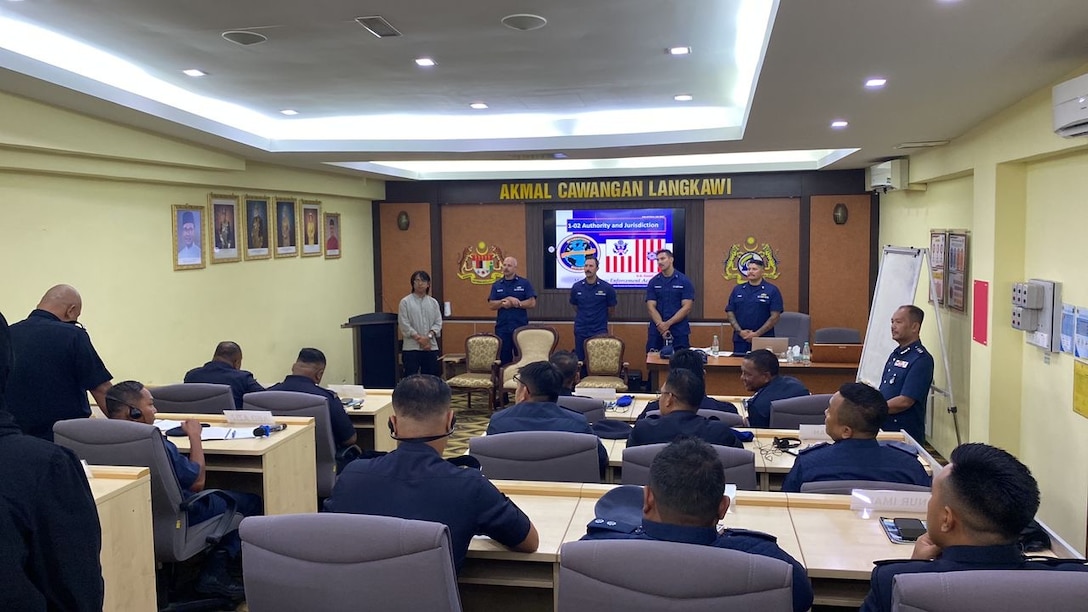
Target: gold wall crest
x=481, y=265
x=736, y=263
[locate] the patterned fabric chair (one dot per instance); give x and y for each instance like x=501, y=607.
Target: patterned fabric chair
x=481, y=368
x=605, y=367
x=532, y=343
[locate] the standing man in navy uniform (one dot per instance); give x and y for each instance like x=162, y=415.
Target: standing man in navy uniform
x=753, y=308
x=981, y=502
x=594, y=301
x=512, y=296
x=684, y=504
x=669, y=298
x=908, y=375
x=57, y=365
x=854, y=416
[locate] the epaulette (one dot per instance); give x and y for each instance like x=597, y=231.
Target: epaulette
x=749, y=533
x=813, y=447
x=901, y=446
x=600, y=524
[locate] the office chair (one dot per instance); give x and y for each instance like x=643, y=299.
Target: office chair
x=193, y=398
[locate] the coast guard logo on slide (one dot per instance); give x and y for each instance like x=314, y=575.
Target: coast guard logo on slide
x=574, y=249
x=619, y=249
x=480, y=266
x=736, y=264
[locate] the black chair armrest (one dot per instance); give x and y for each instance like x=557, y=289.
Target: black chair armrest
x=225, y=519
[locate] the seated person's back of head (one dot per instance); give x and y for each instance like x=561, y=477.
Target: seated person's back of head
x=680, y=397
x=567, y=363
x=692, y=361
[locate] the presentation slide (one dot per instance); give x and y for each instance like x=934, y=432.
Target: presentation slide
x=624, y=241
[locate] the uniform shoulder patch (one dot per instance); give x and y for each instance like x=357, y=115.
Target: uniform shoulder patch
x=601, y=524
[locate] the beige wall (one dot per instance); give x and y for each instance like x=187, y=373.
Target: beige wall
x=1021, y=191
x=88, y=203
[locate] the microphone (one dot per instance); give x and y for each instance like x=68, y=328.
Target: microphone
x=268, y=430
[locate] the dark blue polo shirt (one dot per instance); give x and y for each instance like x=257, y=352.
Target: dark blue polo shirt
x=909, y=372
x=753, y=305
x=667, y=427
x=220, y=373
x=743, y=540
x=669, y=292
x=780, y=387
x=55, y=366
x=855, y=459
x=957, y=559
x=593, y=302
x=509, y=319
x=708, y=403
x=339, y=421
x=544, y=416
x=413, y=482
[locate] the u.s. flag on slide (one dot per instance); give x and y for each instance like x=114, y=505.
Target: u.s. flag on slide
x=635, y=256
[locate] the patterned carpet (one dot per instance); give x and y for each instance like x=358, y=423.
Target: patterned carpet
x=470, y=423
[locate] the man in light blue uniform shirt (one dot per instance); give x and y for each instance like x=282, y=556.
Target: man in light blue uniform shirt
x=908, y=374
x=512, y=296
x=669, y=298
x=753, y=308
x=594, y=301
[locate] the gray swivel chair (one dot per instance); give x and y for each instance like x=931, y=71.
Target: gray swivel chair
x=195, y=398
x=990, y=591
x=293, y=403
x=846, y=487
x=731, y=419
x=794, y=325
x=645, y=575
x=115, y=442
x=793, y=412
x=837, y=335
x=591, y=408
x=331, y=561
x=739, y=465
x=559, y=456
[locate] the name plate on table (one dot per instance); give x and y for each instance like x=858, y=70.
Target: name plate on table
x=249, y=417
x=813, y=433
x=608, y=395
x=898, y=501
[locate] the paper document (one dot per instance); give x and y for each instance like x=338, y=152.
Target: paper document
x=226, y=433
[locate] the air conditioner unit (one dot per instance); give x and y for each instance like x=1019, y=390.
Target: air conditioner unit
x=1071, y=107
x=888, y=175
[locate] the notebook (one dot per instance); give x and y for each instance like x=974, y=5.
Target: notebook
x=836, y=353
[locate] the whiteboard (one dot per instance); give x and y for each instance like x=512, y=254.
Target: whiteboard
x=896, y=285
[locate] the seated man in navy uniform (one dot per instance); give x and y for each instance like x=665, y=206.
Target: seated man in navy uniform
x=693, y=361
x=304, y=378
x=413, y=482
x=131, y=401
x=759, y=373
x=225, y=368
x=854, y=415
x=981, y=502
x=908, y=374
x=684, y=503
x=536, y=408
x=679, y=402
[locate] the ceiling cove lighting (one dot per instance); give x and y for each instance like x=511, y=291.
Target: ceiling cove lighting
x=425, y=62
x=194, y=72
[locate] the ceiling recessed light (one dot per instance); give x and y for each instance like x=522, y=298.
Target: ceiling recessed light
x=524, y=22
x=425, y=62
x=193, y=72
x=683, y=97
x=876, y=83
x=839, y=124
x=477, y=106
x=679, y=50
x=289, y=112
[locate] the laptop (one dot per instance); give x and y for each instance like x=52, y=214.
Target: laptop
x=777, y=346
x=836, y=353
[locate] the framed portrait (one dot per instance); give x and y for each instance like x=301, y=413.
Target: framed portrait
x=188, y=237
x=223, y=228
x=332, y=235
x=255, y=239
x=286, y=232
x=938, y=241
x=956, y=264
x=311, y=228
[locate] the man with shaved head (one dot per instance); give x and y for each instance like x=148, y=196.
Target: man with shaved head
x=56, y=365
x=225, y=368
x=512, y=296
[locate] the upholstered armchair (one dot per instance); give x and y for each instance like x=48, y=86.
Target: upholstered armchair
x=481, y=368
x=532, y=343
x=605, y=367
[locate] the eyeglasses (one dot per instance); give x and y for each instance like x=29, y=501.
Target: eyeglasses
x=662, y=394
x=517, y=379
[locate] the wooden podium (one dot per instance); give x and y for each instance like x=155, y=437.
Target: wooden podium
x=376, y=348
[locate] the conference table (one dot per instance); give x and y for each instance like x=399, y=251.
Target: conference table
x=723, y=374
x=122, y=496
x=281, y=468
x=630, y=413
x=369, y=411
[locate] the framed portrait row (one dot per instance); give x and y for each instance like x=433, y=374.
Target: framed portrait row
x=252, y=227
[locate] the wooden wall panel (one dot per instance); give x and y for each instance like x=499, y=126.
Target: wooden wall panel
x=775, y=221
x=403, y=252
x=465, y=226
x=839, y=267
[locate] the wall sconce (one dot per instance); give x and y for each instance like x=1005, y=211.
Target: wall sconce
x=403, y=221
x=840, y=214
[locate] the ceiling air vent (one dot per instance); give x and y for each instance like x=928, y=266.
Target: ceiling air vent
x=921, y=144
x=378, y=26
x=244, y=38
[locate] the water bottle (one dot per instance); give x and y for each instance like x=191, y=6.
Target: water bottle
x=714, y=346
x=806, y=355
